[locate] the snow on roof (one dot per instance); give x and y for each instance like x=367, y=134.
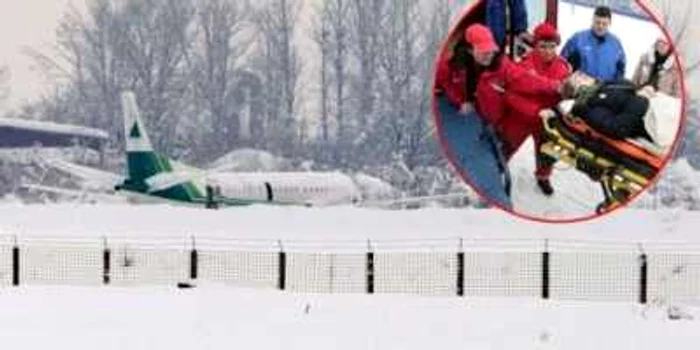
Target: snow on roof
x=51, y=127
x=373, y=187
x=248, y=160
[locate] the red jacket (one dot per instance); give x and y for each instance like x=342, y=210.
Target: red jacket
x=505, y=79
x=528, y=106
x=451, y=82
x=523, y=108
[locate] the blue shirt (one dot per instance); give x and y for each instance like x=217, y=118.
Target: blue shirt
x=600, y=57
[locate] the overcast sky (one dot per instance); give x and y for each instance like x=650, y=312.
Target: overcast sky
x=26, y=23
x=32, y=23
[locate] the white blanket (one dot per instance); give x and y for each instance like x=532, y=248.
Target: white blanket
x=663, y=120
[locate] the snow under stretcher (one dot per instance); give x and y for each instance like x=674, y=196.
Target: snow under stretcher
x=623, y=167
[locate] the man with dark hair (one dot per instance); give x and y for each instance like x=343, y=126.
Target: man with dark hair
x=603, y=12
x=596, y=51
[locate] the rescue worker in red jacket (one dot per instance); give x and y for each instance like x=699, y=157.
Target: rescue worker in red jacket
x=452, y=72
x=464, y=132
x=501, y=82
x=524, y=109
x=500, y=77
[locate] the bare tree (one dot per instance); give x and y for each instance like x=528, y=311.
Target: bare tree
x=398, y=63
x=411, y=36
x=321, y=36
x=84, y=63
x=332, y=36
x=338, y=11
x=221, y=25
x=118, y=44
x=276, y=22
x=422, y=143
x=365, y=21
x=156, y=39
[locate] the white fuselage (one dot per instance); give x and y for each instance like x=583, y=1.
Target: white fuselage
x=315, y=188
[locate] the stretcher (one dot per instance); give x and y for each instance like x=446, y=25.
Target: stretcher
x=623, y=167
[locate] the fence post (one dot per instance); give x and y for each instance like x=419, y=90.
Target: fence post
x=545, y=270
x=194, y=260
x=282, y=268
x=106, y=262
x=370, y=268
x=460, y=269
x=15, y=263
x=643, y=276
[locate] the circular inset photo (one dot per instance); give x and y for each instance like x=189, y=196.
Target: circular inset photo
x=558, y=111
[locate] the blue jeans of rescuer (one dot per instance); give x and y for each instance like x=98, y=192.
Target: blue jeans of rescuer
x=476, y=153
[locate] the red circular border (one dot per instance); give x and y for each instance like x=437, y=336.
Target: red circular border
x=437, y=119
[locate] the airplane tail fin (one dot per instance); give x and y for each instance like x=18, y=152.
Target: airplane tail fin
x=142, y=161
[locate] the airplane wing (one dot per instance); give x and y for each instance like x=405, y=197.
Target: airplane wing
x=91, y=176
x=77, y=194
x=235, y=202
x=49, y=189
x=164, y=181
x=411, y=200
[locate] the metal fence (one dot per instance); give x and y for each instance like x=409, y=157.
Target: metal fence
x=559, y=270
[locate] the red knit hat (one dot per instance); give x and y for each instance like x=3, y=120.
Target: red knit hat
x=481, y=38
x=546, y=32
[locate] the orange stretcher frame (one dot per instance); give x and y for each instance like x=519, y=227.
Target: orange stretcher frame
x=625, y=147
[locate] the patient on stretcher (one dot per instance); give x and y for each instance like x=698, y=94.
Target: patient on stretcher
x=619, y=111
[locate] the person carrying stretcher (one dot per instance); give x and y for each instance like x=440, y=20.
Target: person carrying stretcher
x=525, y=109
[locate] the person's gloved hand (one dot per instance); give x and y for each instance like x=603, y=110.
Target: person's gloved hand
x=547, y=113
x=647, y=91
x=561, y=88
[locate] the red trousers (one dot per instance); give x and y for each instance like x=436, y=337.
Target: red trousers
x=515, y=131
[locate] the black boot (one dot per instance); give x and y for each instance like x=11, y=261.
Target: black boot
x=545, y=186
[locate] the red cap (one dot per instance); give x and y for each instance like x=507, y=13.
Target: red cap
x=480, y=37
x=546, y=32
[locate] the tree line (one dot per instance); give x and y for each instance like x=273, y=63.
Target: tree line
x=214, y=75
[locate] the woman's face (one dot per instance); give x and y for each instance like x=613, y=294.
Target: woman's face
x=662, y=47
x=483, y=58
x=547, y=50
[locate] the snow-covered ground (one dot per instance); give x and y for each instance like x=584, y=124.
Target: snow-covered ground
x=222, y=318
x=576, y=196
x=213, y=317
x=334, y=224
